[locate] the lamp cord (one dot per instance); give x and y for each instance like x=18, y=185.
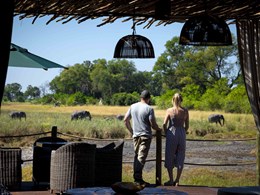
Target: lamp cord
x=133, y=27
x=134, y=23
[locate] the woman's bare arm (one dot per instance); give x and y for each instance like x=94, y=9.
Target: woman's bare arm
x=166, y=119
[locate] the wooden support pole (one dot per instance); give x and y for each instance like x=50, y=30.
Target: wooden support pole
x=258, y=159
x=6, y=21
x=54, y=131
x=158, y=158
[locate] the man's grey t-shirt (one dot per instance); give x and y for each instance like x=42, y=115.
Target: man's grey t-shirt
x=141, y=114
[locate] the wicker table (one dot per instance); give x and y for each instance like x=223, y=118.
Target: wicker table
x=42, y=158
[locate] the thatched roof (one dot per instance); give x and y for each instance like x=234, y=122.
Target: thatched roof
x=150, y=12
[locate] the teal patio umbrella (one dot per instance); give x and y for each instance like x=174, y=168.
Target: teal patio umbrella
x=21, y=57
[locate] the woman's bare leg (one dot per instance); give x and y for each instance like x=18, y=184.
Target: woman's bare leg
x=170, y=173
x=179, y=171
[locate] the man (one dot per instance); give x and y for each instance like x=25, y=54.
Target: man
x=143, y=120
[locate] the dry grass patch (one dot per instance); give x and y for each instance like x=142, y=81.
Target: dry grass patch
x=93, y=109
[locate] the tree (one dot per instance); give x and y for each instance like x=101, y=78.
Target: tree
x=237, y=100
x=214, y=97
x=181, y=65
x=141, y=80
x=13, y=92
x=114, y=76
x=210, y=64
x=102, y=81
x=122, y=72
x=75, y=79
x=44, y=88
x=165, y=66
x=32, y=92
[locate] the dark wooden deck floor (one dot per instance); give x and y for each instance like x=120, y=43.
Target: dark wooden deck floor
x=29, y=189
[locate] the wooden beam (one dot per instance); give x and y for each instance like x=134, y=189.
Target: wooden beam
x=6, y=21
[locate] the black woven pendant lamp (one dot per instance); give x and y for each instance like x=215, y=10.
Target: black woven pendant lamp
x=205, y=30
x=134, y=46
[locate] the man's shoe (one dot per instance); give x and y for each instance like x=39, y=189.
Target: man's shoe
x=169, y=183
x=142, y=182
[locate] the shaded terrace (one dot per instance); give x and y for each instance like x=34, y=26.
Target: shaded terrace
x=245, y=13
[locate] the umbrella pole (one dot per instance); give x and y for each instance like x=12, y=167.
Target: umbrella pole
x=6, y=21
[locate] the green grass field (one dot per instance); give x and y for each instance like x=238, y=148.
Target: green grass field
x=40, y=118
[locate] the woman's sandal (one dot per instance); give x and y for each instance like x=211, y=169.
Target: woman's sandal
x=169, y=183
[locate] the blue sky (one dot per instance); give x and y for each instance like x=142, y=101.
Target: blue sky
x=72, y=43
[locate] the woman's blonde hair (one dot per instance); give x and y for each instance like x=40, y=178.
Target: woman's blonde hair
x=177, y=100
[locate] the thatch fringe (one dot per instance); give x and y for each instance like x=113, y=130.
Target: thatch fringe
x=142, y=10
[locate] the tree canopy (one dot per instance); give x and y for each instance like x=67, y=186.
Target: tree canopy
x=182, y=65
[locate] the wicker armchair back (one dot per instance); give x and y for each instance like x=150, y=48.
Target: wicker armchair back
x=108, y=167
x=10, y=167
x=72, y=166
x=42, y=158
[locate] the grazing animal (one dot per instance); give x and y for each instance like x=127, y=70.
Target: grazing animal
x=216, y=118
x=120, y=117
x=57, y=104
x=18, y=115
x=117, y=117
x=80, y=115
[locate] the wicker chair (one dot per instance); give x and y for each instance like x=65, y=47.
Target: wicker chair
x=42, y=157
x=72, y=166
x=10, y=167
x=108, y=167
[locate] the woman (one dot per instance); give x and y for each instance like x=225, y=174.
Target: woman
x=175, y=125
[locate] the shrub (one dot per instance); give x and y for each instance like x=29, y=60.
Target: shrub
x=191, y=95
x=79, y=98
x=237, y=101
x=210, y=100
x=76, y=99
x=124, y=99
x=165, y=100
x=60, y=98
x=91, y=100
x=47, y=99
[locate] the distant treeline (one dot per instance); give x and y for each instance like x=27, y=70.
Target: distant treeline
x=209, y=78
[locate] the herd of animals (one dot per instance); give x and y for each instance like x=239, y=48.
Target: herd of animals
x=83, y=114
x=77, y=115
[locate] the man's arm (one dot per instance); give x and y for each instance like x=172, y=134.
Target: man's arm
x=128, y=124
x=154, y=124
